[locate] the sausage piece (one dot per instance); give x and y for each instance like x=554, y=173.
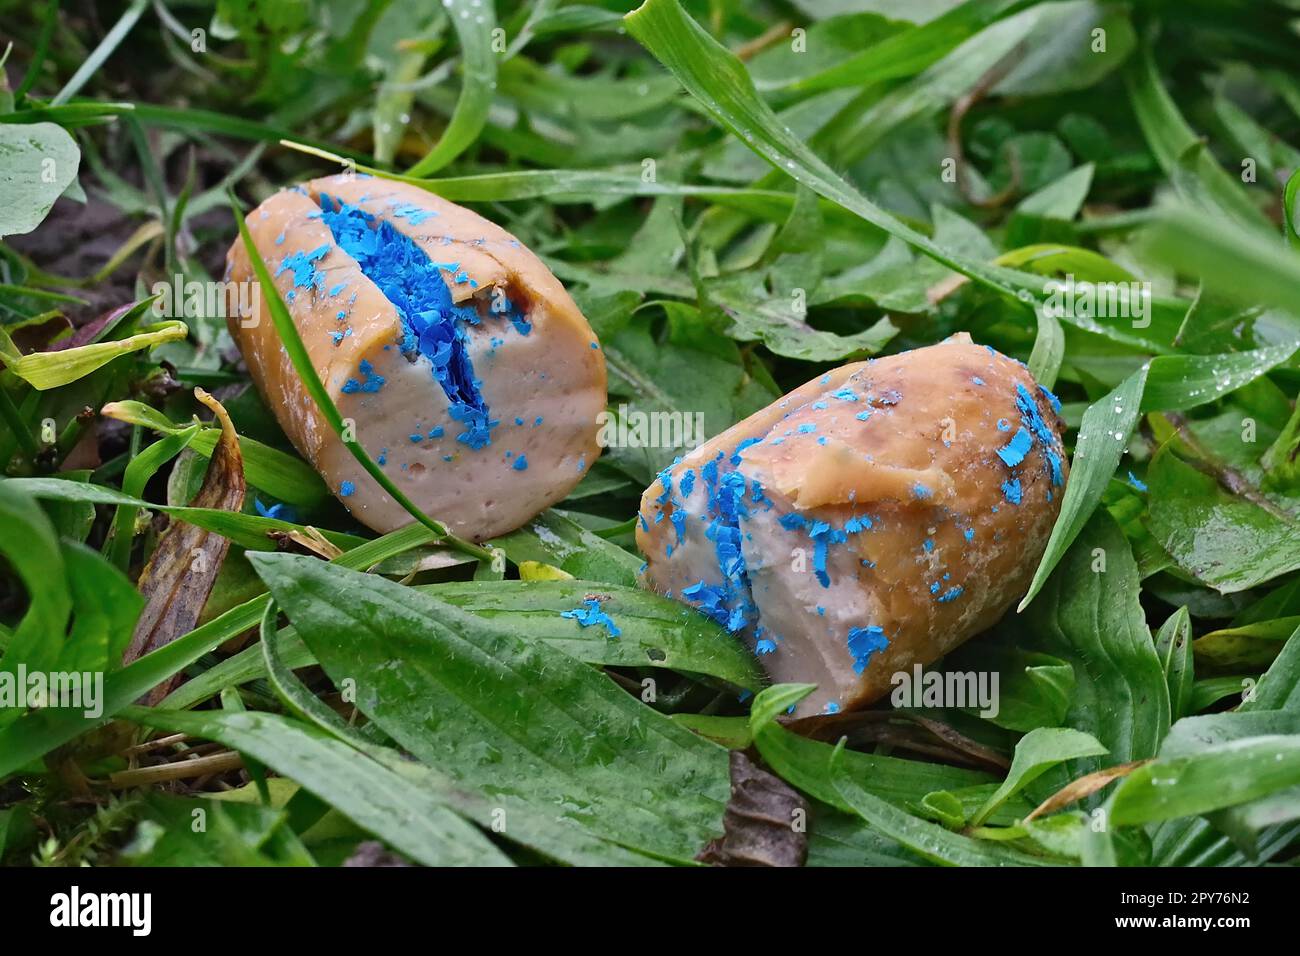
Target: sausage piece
x=872, y=519
x=466, y=369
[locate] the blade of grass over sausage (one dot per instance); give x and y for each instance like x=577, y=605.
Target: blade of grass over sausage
x=1165, y=382
x=474, y=23
x=297, y=353
x=723, y=87
x=371, y=796
x=498, y=711
x=40, y=731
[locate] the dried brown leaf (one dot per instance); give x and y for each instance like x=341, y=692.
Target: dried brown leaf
x=179, y=576
x=765, y=821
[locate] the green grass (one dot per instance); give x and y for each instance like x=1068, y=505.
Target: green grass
x=684, y=168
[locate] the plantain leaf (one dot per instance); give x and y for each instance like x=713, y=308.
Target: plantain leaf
x=503, y=714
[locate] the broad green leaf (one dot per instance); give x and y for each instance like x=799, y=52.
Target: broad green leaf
x=1228, y=542
x=926, y=839
x=1036, y=753
x=1089, y=614
x=532, y=826
x=654, y=633
x=1174, y=648
x=805, y=763
x=408, y=817
x=38, y=161
x=497, y=712
x=1218, y=776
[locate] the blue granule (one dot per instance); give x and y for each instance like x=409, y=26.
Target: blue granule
x=934, y=587
x=863, y=416
x=819, y=406
x=807, y=427
x=590, y=615
x=678, y=518
x=383, y=457
x=793, y=521
x=969, y=534
x=857, y=523
x=411, y=213
x=686, y=483
x=845, y=395
x=977, y=380
x=346, y=489
x=920, y=491
x=746, y=443
x=832, y=707
x=1004, y=425
x=501, y=305
x=371, y=382
x=821, y=440
x=303, y=266
x=823, y=536
x=337, y=288
x=1041, y=430
x=279, y=510
x=537, y=421
x=1013, y=453
x=415, y=438
x=951, y=594
x=518, y=420
x=1011, y=491
x=521, y=463
x=928, y=544
x=436, y=431
x=765, y=646
x=279, y=240
x=1136, y=482
x=433, y=325
x=595, y=346
x=864, y=642
x=1054, y=463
